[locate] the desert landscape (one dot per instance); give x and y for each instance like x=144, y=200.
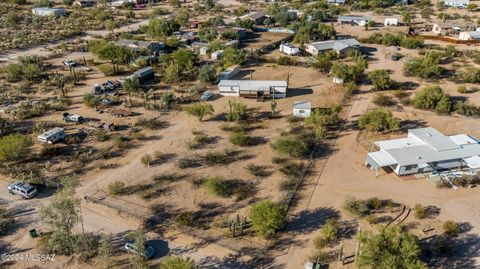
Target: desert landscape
x=239, y=134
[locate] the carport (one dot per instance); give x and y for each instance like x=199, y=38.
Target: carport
x=378, y=159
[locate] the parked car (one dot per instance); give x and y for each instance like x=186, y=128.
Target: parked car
x=206, y=95
x=23, y=189
x=148, y=253
x=72, y=118
x=70, y=63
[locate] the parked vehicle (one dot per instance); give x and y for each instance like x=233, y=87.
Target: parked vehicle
x=148, y=253
x=23, y=189
x=206, y=95
x=70, y=63
x=72, y=118
x=53, y=135
x=109, y=87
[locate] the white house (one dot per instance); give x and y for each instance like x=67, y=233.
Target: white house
x=341, y=46
x=336, y=1
x=456, y=3
x=302, y=109
x=425, y=150
x=253, y=88
x=353, y=20
x=391, y=22
x=289, y=49
x=47, y=11
x=216, y=55
x=469, y=35
x=53, y=135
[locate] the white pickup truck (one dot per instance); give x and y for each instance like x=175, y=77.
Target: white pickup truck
x=23, y=189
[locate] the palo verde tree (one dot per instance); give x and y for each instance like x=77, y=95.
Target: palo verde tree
x=267, y=217
x=378, y=120
x=432, y=98
x=199, y=110
x=15, y=147
x=138, y=259
x=389, y=248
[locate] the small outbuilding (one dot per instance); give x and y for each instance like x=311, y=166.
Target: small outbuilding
x=456, y=3
x=391, y=22
x=289, y=49
x=47, y=11
x=144, y=74
x=302, y=109
x=216, y=55
x=229, y=73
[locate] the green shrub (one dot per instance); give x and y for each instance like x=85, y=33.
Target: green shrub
x=106, y=69
x=451, y=228
x=380, y=79
x=285, y=60
x=177, y=262
x=239, y=139
x=101, y=136
x=374, y=203
x=356, y=207
x=267, y=217
x=15, y=147
x=185, y=219
x=199, y=110
x=383, y=100
x=237, y=111
x=116, y=187
x=378, y=120
x=293, y=145
x=258, y=170
x=432, y=98
x=218, y=186
x=462, y=89
x=420, y=211
x=425, y=67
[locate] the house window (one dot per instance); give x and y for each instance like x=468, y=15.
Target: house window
x=301, y=111
x=410, y=167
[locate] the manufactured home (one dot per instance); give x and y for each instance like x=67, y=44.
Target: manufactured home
x=474, y=35
x=51, y=136
x=341, y=46
x=456, y=3
x=353, y=20
x=425, y=150
x=47, y=11
x=259, y=89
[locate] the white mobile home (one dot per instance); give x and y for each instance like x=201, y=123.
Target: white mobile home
x=353, y=20
x=425, y=150
x=302, y=109
x=456, y=3
x=289, y=49
x=47, y=11
x=254, y=88
x=53, y=135
x=475, y=35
